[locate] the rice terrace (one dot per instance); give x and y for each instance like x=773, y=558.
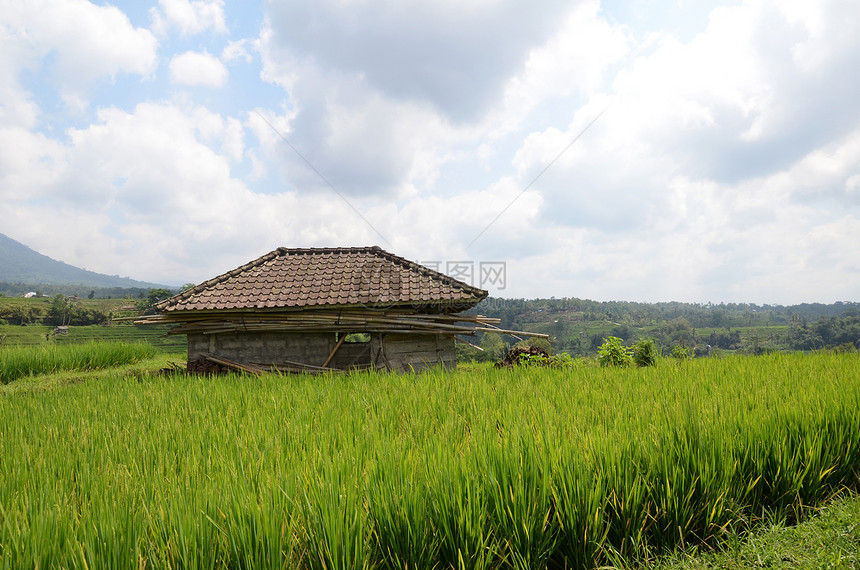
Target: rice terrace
x=478, y=468
x=622, y=438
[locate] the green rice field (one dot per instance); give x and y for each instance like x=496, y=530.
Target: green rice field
x=479, y=468
x=40, y=335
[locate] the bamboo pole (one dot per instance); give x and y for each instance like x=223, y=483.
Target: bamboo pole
x=330, y=321
x=337, y=346
x=505, y=331
x=310, y=315
x=469, y=343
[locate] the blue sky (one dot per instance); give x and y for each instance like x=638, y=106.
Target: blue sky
x=146, y=139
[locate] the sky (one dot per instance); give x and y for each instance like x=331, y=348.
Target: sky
x=699, y=151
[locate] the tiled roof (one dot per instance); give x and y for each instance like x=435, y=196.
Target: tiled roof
x=327, y=278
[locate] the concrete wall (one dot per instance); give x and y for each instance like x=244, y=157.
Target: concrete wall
x=400, y=352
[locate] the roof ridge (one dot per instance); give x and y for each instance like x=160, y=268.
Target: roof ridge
x=291, y=250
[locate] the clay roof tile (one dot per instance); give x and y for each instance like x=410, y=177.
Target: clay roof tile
x=325, y=276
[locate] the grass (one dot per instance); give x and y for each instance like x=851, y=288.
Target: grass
x=829, y=539
x=481, y=468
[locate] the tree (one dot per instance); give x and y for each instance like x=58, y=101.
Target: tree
x=539, y=342
x=493, y=345
x=22, y=315
x=155, y=295
x=58, y=314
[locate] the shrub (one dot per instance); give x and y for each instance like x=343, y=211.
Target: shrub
x=613, y=353
x=645, y=352
x=681, y=352
x=526, y=359
x=562, y=360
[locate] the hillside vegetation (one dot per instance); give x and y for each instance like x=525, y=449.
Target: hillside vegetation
x=578, y=326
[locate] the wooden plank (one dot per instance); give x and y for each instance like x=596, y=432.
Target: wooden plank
x=235, y=365
x=304, y=366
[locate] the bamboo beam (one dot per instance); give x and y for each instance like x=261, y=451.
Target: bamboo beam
x=316, y=316
x=469, y=343
x=505, y=331
x=331, y=321
x=337, y=346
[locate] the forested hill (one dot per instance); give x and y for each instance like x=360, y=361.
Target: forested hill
x=22, y=265
x=578, y=326
x=520, y=311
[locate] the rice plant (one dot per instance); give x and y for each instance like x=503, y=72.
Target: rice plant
x=524, y=468
x=19, y=362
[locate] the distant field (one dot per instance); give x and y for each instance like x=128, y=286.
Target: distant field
x=115, y=306
x=35, y=335
x=481, y=468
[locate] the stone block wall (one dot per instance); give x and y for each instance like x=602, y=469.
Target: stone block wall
x=399, y=352
x=263, y=347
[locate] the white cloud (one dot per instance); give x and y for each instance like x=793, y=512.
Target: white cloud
x=102, y=43
x=191, y=17
x=689, y=150
x=136, y=172
x=697, y=180
x=456, y=56
x=239, y=50
x=711, y=109
x=361, y=141
x=574, y=61
x=121, y=182
x=370, y=135
x=29, y=162
x=197, y=69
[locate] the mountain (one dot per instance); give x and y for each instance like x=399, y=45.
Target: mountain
x=20, y=264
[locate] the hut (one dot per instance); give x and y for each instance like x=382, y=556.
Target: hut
x=320, y=309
